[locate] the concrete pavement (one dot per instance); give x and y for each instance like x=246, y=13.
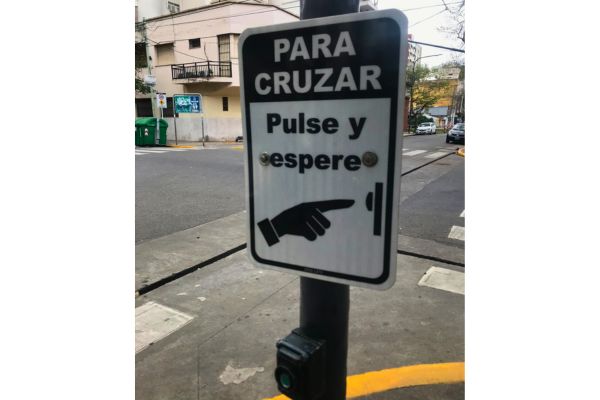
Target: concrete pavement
x=233, y=313
x=239, y=311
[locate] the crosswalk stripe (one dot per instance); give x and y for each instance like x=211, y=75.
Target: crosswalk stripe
x=457, y=232
x=437, y=154
x=444, y=279
x=414, y=153
x=154, y=321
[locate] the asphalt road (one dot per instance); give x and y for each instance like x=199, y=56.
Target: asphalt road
x=183, y=189
x=177, y=190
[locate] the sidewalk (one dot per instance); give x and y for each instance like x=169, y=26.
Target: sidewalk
x=222, y=322
x=199, y=144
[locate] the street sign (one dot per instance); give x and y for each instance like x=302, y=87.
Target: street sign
x=187, y=103
x=161, y=100
x=322, y=113
x=150, y=80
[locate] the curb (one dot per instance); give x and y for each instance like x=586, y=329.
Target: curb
x=181, y=147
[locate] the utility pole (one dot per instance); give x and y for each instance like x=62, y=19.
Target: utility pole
x=325, y=306
x=153, y=101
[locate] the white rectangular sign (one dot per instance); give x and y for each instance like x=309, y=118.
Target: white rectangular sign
x=161, y=100
x=322, y=112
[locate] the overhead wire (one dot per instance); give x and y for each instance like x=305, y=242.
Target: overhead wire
x=431, y=16
x=286, y=8
x=258, y=12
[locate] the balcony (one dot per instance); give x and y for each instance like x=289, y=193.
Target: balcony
x=204, y=70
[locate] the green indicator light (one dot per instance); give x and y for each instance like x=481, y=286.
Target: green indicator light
x=285, y=380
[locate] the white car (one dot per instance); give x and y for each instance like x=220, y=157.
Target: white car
x=426, y=128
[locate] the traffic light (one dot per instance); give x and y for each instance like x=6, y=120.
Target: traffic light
x=300, y=372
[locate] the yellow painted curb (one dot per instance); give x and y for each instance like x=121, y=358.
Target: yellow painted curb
x=461, y=152
x=182, y=147
x=395, y=378
x=237, y=147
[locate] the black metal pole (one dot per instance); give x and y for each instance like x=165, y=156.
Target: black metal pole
x=324, y=310
x=325, y=306
x=319, y=8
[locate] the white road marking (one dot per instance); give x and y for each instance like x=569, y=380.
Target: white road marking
x=140, y=154
x=444, y=279
x=154, y=321
x=437, y=154
x=414, y=153
x=457, y=232
x=462, y=214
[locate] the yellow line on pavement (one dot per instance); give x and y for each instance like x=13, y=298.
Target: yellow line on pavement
x=394, y=378
x=181, y=147
x=237, y=147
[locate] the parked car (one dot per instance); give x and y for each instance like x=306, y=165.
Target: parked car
x=456, y=134
x=427, y=128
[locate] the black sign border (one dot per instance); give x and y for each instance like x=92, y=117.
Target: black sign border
x=315, y=272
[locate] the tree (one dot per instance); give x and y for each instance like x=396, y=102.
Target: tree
x=140, y=86
x=425, y=91
x=456, y=28
x=141, y=60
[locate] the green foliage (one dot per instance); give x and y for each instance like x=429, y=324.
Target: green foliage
x=424, y=88
x=427, y=93
x=140, y=86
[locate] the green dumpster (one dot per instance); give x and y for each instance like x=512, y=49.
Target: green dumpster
x=145, y=130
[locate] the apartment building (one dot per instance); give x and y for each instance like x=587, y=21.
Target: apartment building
x=195, y=50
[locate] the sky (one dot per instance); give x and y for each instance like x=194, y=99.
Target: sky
x=427, y=31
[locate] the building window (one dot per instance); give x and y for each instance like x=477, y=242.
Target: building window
x=168, y=112
x=143, y=107
x=225, y=103
x=224, y=53
x=194, y=43
x=173, y=7
x=141, y=60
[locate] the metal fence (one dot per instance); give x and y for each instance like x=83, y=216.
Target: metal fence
x=204, y=69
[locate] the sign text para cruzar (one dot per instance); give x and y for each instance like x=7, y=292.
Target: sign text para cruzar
x=319, y=79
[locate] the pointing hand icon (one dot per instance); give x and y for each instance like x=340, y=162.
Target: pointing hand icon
x=304, y=219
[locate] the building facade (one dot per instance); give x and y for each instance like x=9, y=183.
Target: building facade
x=196, y=51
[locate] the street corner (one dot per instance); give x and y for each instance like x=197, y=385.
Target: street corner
x=375, y=382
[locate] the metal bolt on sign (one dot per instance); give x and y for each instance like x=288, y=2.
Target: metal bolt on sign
x=264, y=158
x=369, y=159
